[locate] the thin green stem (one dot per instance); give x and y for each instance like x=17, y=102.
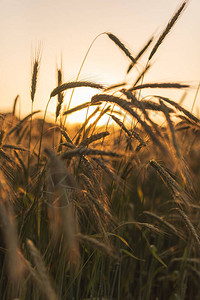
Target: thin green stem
x=29, y=146
x=41, y=136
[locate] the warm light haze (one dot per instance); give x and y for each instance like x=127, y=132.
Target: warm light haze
x=100, y=149
x=65, y=29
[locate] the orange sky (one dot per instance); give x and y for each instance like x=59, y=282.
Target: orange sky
x=68, y=27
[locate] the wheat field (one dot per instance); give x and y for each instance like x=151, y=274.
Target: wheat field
x=102, y=211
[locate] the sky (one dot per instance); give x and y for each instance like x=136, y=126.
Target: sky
x=65, y=29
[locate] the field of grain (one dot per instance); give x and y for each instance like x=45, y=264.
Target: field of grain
x=102, y=212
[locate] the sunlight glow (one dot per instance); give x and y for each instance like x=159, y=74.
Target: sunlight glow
x=69, y=35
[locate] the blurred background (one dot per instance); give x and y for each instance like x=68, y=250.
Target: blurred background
x=65, y=29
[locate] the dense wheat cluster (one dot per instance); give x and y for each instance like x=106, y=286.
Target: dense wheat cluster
x=102, y=212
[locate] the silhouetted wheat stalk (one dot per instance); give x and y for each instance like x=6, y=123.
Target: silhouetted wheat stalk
x=60, y=97
x=34, y=76
x=70, y=85
x=166, y=85
x=121, y=46
x=167, y=29
x=140, y=54
x=127, y=107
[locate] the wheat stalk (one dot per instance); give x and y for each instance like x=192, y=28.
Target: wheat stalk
x=165, y=85
x=140, y=105
x=60, y=96
x=121, y=46
x=128, y=132
x=175, y=188
x=47, y=288
x=94, y=138
x=88, y=169
x=94, y=124
x=61, y=181
x=167, y=29
x=34, y=76
x=88, y=184
x=105, y=168
x=189, y=225
x=9, y=229
x=162, y=221
x=91, y=194
x=86, y=122
x=150, y=105
x=146, y=46
x=71, y=85
x=97, y=244
x=14, y=104
x=171, y=128
x=187, y=123
x=127, y=106
x=180, y=108
x=19, y=125
x=79, y=107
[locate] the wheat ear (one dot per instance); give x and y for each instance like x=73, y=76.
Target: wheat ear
x=175, y=188
x=14, y=104
x=189, y=225
x=60, y=96
x=42, y=272
x=127, y=106
x=34, y=76
x=180, y=108
x=146, y=46
x=121, y=46
x=71, y=85
x=165, y=85
x=167, y=29
x=62, y=183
